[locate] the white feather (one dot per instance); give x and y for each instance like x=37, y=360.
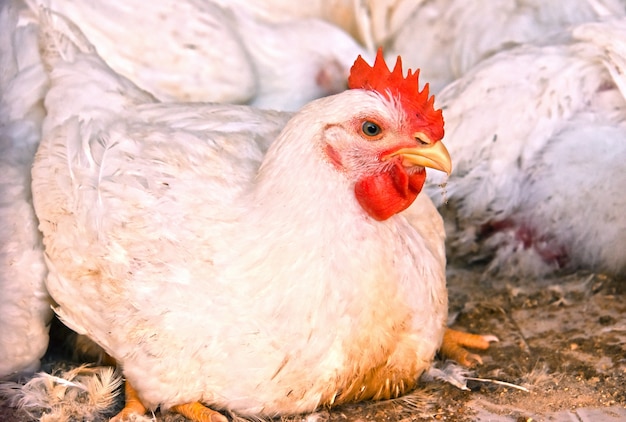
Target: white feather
x=81, y=393
x=448, y=372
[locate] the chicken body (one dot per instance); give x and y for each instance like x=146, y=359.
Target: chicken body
x=539, y=133
x=215, y=272
x=196, y=50
x=446, y=38
x=24, y=303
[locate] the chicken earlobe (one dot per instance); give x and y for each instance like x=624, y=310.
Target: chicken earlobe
x=384, y=194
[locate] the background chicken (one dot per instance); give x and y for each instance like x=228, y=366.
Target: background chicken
x=196, y=50
x=24, y=303
x=539, y=136
x=371, y=22
x=446, y=38
x=212, y=272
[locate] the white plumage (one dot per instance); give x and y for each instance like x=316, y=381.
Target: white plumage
x=24, y=303
x=338, y=12
x=446, y=38
x=262, y=290
x=371, y=22
x=196, y=50
x=539, y=134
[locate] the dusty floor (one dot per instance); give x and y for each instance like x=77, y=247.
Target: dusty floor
x=562, y=338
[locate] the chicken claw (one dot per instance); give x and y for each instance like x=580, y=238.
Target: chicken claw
x=454, y=343
x=132, y=405
x=195, y=412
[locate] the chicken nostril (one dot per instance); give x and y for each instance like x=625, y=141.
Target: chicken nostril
x=422, y=139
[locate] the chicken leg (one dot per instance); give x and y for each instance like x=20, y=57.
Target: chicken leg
x=132, y=405
x=198, y=412
x=454, y=343
x=195, y=412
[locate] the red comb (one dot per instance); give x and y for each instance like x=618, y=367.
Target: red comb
x=406, y=90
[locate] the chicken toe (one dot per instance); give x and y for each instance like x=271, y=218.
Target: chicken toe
x=454, y=344
x=197, y=412
x=132, y=405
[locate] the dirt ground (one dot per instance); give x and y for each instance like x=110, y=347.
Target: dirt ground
x=562, y=339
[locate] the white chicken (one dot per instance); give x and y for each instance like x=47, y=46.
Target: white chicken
x=24, y=303
x=539, y=137
x=447, y=37
x=371, y=22
x=196, y=50
x=214, y=273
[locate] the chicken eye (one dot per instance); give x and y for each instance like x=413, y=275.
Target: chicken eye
x=370, y=129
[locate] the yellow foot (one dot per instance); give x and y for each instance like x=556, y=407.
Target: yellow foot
x=454, y=343
x=193, y=411
x=197, y=412
x=133, y=405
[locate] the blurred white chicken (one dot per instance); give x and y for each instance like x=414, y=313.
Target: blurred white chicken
x=214, y=272
x=539, y=138
x=24, y=304
x=371, y=22
x=445, y=38
x=196, y=50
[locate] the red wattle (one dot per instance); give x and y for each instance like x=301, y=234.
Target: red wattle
x=385, y=194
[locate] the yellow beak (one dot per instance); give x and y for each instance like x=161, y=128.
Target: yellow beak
x=433, y=155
